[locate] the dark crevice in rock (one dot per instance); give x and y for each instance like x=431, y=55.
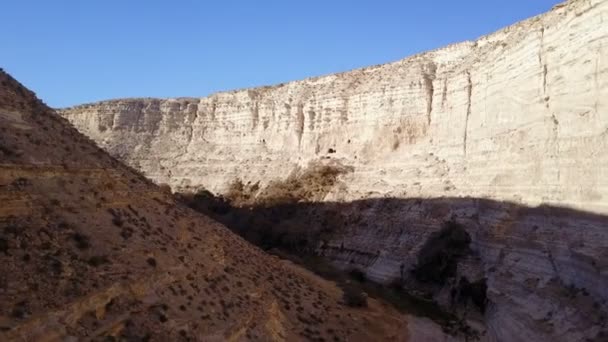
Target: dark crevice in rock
x=438, y=258
x=300, y=123
x=466, y=120
x=428, y=77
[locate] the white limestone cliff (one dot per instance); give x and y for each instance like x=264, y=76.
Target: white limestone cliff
x=518, y=115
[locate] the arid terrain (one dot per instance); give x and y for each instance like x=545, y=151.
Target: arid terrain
x=460, y=194
x=471, y=176
x=91, y=250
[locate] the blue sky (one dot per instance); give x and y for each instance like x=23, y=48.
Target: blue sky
x=77, y=51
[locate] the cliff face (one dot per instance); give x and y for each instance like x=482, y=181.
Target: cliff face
x=518, y=118
x=517, y=115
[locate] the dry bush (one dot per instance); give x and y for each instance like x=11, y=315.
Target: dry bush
x=438, y=257
x=308, y=185
x=240, y=194
x=164, y=187
x=354, y=296
x=283, y=215
x=303, y=185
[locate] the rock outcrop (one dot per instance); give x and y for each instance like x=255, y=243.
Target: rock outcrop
x=507, y=135
x=92, y=250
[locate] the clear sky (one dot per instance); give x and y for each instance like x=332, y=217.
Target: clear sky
x=76, y=51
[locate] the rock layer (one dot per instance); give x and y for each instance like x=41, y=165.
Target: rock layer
x=518, y=117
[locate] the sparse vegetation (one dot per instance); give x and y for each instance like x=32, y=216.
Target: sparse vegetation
x=3, y=245
x=438, y=258
x=164, y=187
x=270, y=217
x=357, y=275
x=284, y=219
x=81, y=240
x=98, y=260
x=151, y=261
x=475, y=291
x=20, y=310
x=310, y=184
x=354, y=296
x=117, y=221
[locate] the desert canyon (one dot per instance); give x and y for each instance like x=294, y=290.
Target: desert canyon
x=474, y=176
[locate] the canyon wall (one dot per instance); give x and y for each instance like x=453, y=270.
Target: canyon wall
x=518, y=115
x=518, y=118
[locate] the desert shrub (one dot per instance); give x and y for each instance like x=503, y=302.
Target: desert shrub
x=4, y=246
x=7, y=151
x=475, y=291
x=240, y=194
x=126, y=233
x=236, y=192
x=82, y=241
x=98, y=260
x=353, y=296
x=55, y=266
x=164, y=187
x=357, y=275
x=279, y=215
x=20, y=310
x=21, y=182
x=438, y=258
x=311, y=184
x=396, y=284
x=117, y=221
x=151, y=261
x=206, y=202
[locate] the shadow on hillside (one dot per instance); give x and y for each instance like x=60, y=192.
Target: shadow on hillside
x=307, y=233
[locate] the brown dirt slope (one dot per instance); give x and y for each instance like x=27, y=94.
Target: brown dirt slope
x=90, y=249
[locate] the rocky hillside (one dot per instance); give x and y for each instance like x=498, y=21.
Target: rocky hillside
x=505, y=136
x=91, y=250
